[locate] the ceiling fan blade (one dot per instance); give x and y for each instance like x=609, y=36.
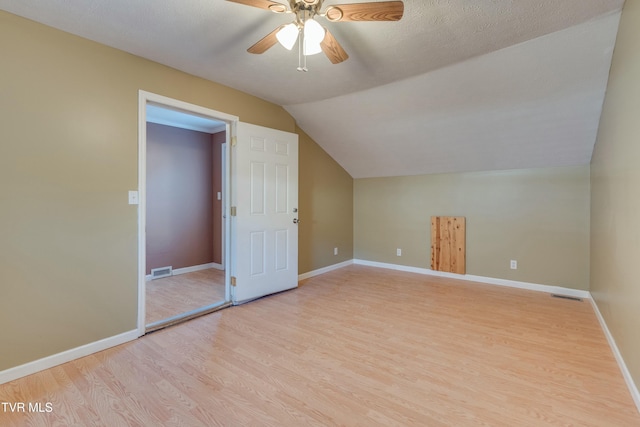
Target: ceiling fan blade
x=263, y=4
x=377, y=11
x=265, y=43
x=332, y=49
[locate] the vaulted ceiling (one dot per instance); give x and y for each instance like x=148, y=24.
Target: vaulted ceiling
x=456, y=85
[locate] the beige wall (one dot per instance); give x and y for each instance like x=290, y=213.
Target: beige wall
x=615, y=207
x=326, y=208
x=539, y=217
x=68, y=156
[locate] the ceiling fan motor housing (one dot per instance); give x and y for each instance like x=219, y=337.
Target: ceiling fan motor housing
x=305, y=11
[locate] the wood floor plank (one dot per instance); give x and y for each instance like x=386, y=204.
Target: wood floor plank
x=173, y=295
x=355, y=347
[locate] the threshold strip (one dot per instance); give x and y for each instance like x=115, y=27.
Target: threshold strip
x=174, y=320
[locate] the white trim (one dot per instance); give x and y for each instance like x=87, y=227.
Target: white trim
x=185, y=126
x=142, y=210
x=185, y=107
x=223, y=191
x=145, y=97
x=633, y=389
x=197, y=268
x=191, y=269
x=230, y=200
x=559, y=290
x=324, y=270
x=489, y=280
x=226, y=197
x=66, y=356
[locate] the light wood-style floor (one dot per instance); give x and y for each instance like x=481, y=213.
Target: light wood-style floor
x=179, y=294
x=355, y=347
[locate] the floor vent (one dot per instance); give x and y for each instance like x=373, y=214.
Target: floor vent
x=566, y=297
x=159, y=273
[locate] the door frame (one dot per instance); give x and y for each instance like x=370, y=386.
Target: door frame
x=231, y=121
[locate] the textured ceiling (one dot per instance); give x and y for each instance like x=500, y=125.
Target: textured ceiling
x=455, y=85
x=536, y=104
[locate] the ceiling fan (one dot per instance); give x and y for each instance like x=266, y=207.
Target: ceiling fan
x=312, y=37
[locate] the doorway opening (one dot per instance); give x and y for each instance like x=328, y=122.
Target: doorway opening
x=183, y=195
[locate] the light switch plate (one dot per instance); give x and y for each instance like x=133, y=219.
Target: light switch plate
x=133, y=197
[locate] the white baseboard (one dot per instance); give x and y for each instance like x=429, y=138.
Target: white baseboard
x=66, y=356
x=217, y=266
x=633, y=389
x=197, y=268
x=192, y=269
x=489, y=280
x=324, y=270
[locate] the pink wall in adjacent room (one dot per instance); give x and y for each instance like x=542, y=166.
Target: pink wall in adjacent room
x=183, y=177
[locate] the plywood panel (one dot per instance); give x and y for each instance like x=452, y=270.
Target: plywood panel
x=448, y=244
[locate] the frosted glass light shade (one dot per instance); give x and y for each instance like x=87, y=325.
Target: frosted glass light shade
x=313, y=36
x=288, y=35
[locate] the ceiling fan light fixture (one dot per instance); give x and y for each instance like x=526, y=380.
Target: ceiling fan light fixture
x=311, y=48
x=313, y=35
x=288, y=35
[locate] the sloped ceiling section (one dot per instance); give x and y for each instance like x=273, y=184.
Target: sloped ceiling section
x=535, y=104
x=455, y=85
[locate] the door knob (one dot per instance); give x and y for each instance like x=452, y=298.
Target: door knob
x=296, y=221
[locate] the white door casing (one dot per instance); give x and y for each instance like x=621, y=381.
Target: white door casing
x=265, y=195
x=145, y=98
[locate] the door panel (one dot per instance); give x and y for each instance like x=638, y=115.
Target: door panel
x=265, y=193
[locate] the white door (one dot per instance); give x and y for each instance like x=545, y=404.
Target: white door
x=265, y=197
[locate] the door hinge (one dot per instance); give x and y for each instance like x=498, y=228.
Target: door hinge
x=234, y=141
x=233, y=280
x=233, y=211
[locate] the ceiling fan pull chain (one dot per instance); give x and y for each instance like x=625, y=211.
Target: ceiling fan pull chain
x=304, y=62
x=302, y=59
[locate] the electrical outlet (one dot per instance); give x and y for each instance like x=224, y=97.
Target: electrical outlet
x=335, y=251
x=399, y=252
x=514, y=264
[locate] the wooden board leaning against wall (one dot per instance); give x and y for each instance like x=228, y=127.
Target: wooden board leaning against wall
x=448, y=246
